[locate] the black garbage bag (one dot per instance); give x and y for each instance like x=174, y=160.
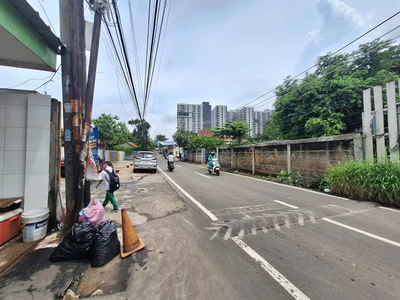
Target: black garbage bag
x=75, y=243
x=106, y=244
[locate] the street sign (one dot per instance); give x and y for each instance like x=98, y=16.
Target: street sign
x=94, y=142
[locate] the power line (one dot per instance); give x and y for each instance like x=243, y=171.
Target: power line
x=162, y=47
x=141, y=88
x=261, y=104
x=116, y=11
x=48, y=81
x=331, y=54
x=48, y=19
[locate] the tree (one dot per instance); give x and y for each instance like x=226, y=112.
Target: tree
x=237, y=130
x=111, y=130
x=161, y=138
x=206, y=142
x=140, y=134
x=329, y=101
x=183, y=138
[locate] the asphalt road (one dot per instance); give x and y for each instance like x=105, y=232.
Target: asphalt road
x=278, y=242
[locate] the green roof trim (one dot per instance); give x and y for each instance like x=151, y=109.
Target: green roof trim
x=24, y=30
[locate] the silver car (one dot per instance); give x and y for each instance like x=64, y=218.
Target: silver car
x=145, y=160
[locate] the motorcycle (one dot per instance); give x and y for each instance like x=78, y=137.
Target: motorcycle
x=213, y=166
x=171, y=166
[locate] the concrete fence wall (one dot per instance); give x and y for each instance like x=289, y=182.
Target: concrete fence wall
x=310, y=157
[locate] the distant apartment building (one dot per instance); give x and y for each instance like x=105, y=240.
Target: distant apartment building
x=206, y=111
x=219, y=116
x=190, y=117
x=246, y=114
x=231, y=116
x=268, y=113
x=260, y=117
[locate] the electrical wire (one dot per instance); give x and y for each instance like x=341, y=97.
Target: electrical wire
x=156, y=52
x=48, y=19
x=48, y=81
x=120, y=31
x=141, y=88
x=265, y=101
x=331, y=54
x=162, y=48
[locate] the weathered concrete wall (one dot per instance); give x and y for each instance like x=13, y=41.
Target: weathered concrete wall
x=310, y=157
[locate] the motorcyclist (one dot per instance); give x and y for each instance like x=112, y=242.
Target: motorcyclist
x=170, y=158
x=210, y=158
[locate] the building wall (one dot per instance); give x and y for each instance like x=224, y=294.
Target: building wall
x=190, y=117
x=206, y=118
x=246, y=114
x=25, y=147
x=219, y=116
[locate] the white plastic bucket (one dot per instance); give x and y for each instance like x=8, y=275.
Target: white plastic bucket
x=34, y=224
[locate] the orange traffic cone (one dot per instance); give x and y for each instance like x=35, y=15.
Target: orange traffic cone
x=131, y=242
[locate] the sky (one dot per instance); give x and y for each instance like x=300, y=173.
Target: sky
x=226, y=52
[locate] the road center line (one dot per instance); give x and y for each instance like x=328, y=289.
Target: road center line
x=363, y=232
x=284, y=282
x=203, y=175
x=277, y=183
x=205, y=210
x=283, y=203
x=391, y=209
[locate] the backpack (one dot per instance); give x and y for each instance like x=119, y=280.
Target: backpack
x=114, y=180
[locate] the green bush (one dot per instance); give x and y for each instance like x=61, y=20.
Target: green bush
x=292, y=178
x=379, y=182
x=319, y=183
x=127, y=150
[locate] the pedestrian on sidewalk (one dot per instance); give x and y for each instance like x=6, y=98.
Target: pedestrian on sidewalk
x=105, y=176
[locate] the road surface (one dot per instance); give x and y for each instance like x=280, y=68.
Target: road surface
x=278, y=242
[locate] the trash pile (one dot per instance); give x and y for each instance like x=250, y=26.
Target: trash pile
x=92, y=234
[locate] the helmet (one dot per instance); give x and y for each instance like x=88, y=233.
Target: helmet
x=212, y=153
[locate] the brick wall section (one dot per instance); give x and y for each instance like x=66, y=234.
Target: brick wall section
x=314, y=159
x=310, y=157
x=270, y=160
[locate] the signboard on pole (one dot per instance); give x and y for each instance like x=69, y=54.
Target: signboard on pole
x=94, y=142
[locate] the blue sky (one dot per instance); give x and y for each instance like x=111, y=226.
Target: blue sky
x=222, y=51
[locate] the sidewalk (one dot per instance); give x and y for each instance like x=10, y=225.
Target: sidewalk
x=173, y=265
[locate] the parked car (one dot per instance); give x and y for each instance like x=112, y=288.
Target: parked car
x=145, y=160
x=62, y=167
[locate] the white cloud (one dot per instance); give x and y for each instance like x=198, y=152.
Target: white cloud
x=344, y=11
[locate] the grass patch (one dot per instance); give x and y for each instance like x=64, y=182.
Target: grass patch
x=378, y=182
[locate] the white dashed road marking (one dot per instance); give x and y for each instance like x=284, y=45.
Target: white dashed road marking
x=282, y=280
x=363, y=232
x=284, y=203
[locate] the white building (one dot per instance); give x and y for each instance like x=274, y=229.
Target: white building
x=219, y=116
x=268, y=113
x=231, y=116
x=246, y=114
x=259, y=121
x=190, y=117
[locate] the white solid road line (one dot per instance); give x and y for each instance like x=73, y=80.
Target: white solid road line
x=281, y=184
x=179, y=166
x=205, y=210
x=203, y=175
x=284, y=282
x=363, y=232
x=283, y=203
x=391, y=209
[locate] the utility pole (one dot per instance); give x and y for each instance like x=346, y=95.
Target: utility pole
x=98, y=7
x=69, y=149
x=73, y=77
